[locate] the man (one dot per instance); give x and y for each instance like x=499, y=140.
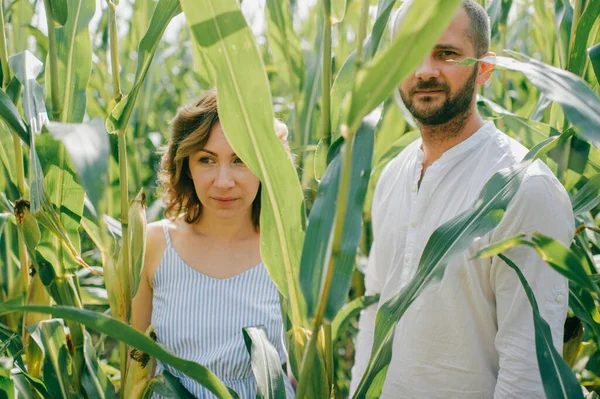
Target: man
x=470, y=335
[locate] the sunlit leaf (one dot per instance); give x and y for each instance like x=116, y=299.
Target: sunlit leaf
x=266, y=365
x=349, y=311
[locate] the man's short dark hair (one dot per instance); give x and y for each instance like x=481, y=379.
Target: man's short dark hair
x=478, y=32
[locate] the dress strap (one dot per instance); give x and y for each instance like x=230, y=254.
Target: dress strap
x=163, y=223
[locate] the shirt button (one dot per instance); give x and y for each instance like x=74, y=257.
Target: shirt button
x=414, y=189
x=406, y=259
x=560, y=299
x=413, y=224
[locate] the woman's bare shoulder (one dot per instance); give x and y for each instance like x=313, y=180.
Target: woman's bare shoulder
x=155, y=248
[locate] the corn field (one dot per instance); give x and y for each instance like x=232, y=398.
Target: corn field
x=88, y=89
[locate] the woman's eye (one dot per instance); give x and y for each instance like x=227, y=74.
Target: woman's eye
x=238, y=160
x=205, y=160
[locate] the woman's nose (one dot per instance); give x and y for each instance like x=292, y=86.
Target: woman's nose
x=224, y=178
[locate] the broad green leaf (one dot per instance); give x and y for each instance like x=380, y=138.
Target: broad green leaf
x=163, y=14
x=124, y=333
x=88, y=147
x=59, y=10
x=498, y=11
x=12, y=344
x=577, y=55
x=74, y=56
x=594, y=54
x=21, y=14
x=447, y=240
x=338, y=10
x=311, y=90
x=168, y=386
x=51, y=338
x=349, y=311
x=344, y=80
x=10, y=115
x=563, y=19
x=284, y=44
x=565, y=261
x=246, y=115
x=316, y=252
x=94, y=380
x=583, y=305
x=578, y=101
x=557, y=377
x=27, y=68
x=422, y=26
x=7, y=385
x=588, y=197
x=266, y=364
x=7, y=155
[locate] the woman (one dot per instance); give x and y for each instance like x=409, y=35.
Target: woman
x=203, y=278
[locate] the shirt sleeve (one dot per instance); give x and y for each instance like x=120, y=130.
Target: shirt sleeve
x=541, y=205
x=366, y=323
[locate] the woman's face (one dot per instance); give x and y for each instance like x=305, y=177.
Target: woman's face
x=224, y=185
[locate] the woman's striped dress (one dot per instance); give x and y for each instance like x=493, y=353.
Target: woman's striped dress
x=200, y=318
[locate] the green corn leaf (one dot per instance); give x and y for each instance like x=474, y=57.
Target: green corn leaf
x=7, y=158
x=338, y=10
x=266, y=364
x=74, y=53
x=594, y=54
x=311, y=89
x=565, y=261
x=349, y=311
x=563, y=18
x=59, y=10
x=557, y=377
x=588, y=197
x=10, y=115
x=51, y=338
x=168, y=386
x=447, y=240
x=246, y=115
x=7, y=385
x=163, y=14
x=582, y=303
x=94, y=380
x=88, y=147
x=577, y=55
x=284, y=44
x=424, y=24
x=124, y=333
x=578, y=101
x=344, y=80
x=498, y=11
x=316, y=251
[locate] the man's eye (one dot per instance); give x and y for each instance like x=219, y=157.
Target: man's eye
x=447, y=53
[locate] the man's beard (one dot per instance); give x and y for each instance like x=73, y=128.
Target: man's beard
x=452, y=106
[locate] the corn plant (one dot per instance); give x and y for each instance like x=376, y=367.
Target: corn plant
x=83, y=110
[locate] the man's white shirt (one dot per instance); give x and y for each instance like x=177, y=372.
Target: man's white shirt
x=470, y=335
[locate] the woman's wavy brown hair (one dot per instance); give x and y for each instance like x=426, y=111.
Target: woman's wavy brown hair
x=190, y=131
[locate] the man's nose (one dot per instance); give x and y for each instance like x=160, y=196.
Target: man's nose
x=427, y=70
x=224, y=178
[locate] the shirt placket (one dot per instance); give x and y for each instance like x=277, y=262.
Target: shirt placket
x=414, y=222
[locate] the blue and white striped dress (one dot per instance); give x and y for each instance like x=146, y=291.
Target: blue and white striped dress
x=200, y=318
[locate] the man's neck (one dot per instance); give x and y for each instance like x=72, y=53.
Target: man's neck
x=440, y=138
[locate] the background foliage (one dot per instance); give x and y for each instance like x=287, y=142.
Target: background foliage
x=65, y=209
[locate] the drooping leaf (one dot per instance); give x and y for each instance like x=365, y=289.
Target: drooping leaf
x=579, y=102
x=130, y=336
x=246, y=115
x=168, y=386
x=163, y=14
x=563, y=19
x=498, y=11
x=588, y=197
x=88, y=147
x=137, y=231
x=27, y=68
x=557, y=377
x=266, y=364
x=338, y=10
x=422, y=26
x=350, y=310
x=94, y=380
x=447, y=240
x=10, y=115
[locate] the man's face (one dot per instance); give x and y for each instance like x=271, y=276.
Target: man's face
x=440, y=90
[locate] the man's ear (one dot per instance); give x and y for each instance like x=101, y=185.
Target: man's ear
x=486, y=67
